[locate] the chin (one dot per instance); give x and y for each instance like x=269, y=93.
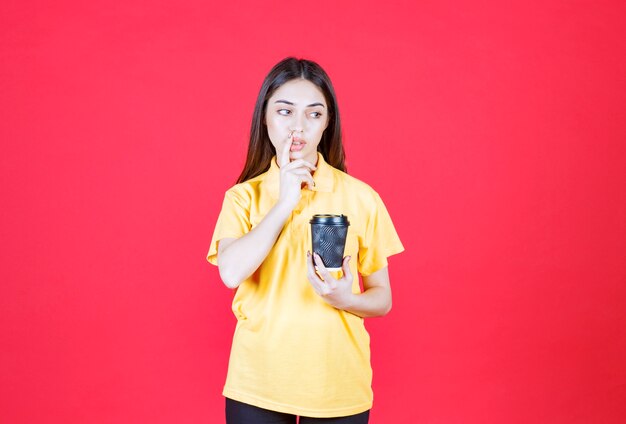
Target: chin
x=307, y=152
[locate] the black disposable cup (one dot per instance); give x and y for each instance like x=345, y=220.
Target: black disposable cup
x=328, y=233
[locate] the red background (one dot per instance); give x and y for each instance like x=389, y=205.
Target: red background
x=493, y=130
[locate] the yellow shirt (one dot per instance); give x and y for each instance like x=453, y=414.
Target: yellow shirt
x=292, y=352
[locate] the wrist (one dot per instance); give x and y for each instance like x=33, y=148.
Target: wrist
x=285, y=205
x=283, y=208
x=347, y=302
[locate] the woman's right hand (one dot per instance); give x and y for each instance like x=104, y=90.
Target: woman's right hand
x=292, y=175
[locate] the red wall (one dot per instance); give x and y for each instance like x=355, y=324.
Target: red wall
x=493, y=130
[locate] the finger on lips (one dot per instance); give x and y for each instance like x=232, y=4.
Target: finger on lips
x=284, y=159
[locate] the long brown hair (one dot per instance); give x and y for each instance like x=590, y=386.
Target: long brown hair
x=260, y=149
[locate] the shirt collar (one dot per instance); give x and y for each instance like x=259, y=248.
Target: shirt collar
x=323, y=177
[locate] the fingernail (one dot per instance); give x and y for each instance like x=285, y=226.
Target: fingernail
x=308, y=253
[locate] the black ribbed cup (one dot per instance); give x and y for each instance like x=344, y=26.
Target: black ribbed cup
x=328, y=233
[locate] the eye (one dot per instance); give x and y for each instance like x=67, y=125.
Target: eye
x=287, y=111
x=319, y=115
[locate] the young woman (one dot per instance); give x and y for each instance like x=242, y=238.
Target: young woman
x=300, y=347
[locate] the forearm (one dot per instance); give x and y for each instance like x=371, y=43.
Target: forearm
x=373, y=302
x=243, y=256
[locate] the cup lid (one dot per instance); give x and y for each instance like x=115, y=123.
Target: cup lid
x=328, y=219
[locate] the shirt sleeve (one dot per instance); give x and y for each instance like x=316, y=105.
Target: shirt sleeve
x=233, y=221
x=379, y=241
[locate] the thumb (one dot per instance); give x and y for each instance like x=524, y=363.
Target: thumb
x=345, y=267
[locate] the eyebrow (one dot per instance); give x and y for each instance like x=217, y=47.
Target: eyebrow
x=289, y=103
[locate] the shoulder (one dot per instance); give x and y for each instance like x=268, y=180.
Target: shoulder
x=246, y=190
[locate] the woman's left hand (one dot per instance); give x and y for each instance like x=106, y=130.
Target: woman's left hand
x=337, y=293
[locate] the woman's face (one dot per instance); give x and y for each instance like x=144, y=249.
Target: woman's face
x=299, y=106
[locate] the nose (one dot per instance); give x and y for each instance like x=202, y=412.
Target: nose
x=295, y=130
x=297, y=124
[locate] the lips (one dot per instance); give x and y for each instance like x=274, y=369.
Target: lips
x=297, y=145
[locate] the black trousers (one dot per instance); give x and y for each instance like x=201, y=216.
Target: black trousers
x=242, y=413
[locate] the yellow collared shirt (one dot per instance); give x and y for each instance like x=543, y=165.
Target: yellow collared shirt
x=292, y=352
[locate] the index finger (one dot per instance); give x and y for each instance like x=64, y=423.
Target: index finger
x=284, y=154
x=321, y=268
x=313, y=277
